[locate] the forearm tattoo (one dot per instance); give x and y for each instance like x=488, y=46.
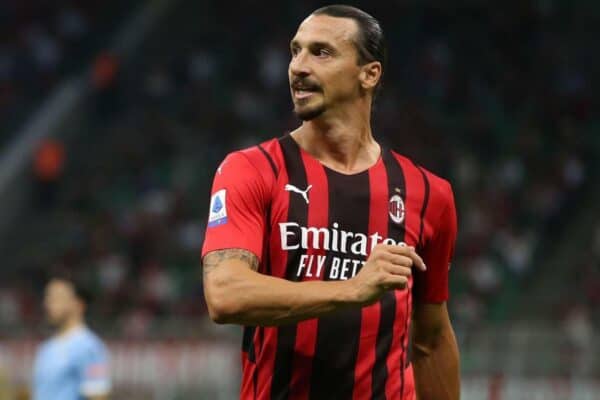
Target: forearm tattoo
x=214, y=258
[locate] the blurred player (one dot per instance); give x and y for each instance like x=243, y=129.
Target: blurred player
x=312, y=239
x=72, y=364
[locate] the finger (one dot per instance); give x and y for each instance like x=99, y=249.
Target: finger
x=395, y=282
x=396, y=269
x=418, y=261
x=403, y=250
x=398, y=259
x=393, y=248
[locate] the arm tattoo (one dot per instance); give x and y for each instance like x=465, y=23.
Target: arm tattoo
x=214, y=258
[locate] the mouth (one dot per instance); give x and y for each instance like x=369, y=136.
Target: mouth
x=303, y=93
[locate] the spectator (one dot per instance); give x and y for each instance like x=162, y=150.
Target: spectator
x=49, y=161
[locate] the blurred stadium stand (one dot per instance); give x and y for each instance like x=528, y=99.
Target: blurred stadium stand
x=499, y=99
x=42, y=42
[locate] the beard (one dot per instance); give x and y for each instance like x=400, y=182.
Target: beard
x=307, y=113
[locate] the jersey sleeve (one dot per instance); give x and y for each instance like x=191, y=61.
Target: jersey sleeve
x=431, y=286
x=94, y=372
x=238, y=207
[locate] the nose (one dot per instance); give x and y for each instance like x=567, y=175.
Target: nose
x=299, y=64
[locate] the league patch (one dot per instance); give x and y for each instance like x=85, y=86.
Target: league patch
x=218, y=209
x=96, y=371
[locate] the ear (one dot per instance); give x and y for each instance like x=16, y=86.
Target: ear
x=370, y=75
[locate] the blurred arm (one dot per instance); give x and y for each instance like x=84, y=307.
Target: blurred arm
x=104, y=397
x=435, y=353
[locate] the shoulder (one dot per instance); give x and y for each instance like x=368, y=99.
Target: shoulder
x=45, y=345
x=258, y=155
x=87, y=340
x=439, y=189
x=261, y=160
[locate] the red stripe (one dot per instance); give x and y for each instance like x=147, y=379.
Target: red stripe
x=415, y=195
x=247, y=389
x=280, y=204
x=363, y=372
x=265, y=359
x=306, y=337
x=259, y=339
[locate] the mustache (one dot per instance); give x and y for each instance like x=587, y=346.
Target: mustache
x=304, y=83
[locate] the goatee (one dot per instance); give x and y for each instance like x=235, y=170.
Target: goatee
x=309, y=113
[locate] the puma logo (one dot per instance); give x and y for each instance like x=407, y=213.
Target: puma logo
x=303, y=193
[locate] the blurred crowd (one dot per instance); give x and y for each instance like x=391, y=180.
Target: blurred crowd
x=40, y=42
x=497, y=99
x=580, y=315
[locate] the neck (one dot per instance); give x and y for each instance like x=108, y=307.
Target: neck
x=343, y=142
x=69, y=326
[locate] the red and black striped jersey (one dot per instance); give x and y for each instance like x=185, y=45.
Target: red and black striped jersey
x=305, y=221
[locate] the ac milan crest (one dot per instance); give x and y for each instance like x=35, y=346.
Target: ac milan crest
x=396, y=209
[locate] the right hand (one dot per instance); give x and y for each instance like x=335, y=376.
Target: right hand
x=388, y=267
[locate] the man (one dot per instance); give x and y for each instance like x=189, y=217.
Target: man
x=312, y=239
x=73, y=364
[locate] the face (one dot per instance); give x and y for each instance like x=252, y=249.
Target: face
x=60, y=302
x=323, y=70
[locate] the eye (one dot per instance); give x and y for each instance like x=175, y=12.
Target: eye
x=322, y=52
x=294, y=51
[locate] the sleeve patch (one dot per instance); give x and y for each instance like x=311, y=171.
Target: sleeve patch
x=218, y=209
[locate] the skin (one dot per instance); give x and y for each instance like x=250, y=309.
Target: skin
x=333, y=94
x=64, y=311
x=237, y=294
x=323, y=54
x=435, y=353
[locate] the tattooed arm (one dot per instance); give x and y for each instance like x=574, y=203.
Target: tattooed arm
x=236, y=293
x=213, y=259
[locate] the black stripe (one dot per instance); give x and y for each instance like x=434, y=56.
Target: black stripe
x=297, y=209
x=404, y=355
x=396, y=185
x=250, y=350
x=425, y=204
x=248, y=343
x=276, y=173
x=338, y=335
x=266, y=261
x=297, y=212
x=270, y=159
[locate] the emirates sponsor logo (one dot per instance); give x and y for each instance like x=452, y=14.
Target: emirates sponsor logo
x=355, y=245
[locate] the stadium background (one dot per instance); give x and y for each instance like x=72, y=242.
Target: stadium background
x=115, y=114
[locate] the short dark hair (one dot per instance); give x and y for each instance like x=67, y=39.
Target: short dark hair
x=80, y=288
x=370, y=43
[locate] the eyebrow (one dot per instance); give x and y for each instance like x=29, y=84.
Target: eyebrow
x=328, y=45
